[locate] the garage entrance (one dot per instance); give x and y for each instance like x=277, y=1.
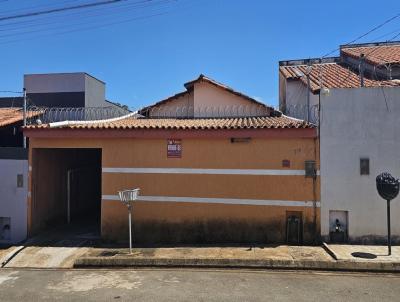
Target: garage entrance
x=66, y=189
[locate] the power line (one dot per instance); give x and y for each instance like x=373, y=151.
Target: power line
x=107, y=24
x=85, y=22
x=385, y=35
x=10, y=91
x=86, y=28
x=380, y=46
x=80, y=14
x=61, y=9
x=363, y=35
x=42, y=6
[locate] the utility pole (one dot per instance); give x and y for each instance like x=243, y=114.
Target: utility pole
x=24, y=116
x=308, y=71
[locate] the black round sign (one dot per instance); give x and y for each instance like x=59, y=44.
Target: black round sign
x=387, y=185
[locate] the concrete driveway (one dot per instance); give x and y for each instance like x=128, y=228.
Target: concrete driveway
x=57, y=248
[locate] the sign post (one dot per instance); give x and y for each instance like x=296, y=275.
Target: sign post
x=127, y=197
x=388, y=189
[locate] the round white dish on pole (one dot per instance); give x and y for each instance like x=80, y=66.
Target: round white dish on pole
x=128, y=197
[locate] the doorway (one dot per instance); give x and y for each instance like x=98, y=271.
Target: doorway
x=66, y=189
x=294, y=227
x=338, y=226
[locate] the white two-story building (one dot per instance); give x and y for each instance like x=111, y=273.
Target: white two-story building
x=355, y=99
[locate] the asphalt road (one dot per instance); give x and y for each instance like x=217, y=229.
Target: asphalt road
x=194, y=285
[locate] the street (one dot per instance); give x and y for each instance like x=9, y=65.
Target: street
x=195, y=285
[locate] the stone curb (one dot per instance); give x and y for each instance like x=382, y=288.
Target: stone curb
x=102, y=262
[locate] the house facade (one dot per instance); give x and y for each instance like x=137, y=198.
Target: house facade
x=14, y=177
x=354, y=100
x=235, y=177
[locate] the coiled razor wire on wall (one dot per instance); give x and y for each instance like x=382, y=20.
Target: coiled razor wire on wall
x=45, y=115
x=205, y=111
x=300, y=112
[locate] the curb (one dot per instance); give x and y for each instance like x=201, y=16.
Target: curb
x=102, y=262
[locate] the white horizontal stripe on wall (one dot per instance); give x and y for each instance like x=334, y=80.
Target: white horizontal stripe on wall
x=204, y=171
x=259, y=202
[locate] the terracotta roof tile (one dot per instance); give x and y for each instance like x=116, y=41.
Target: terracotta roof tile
x=381, y=54
x=190, y=124
x=10, y=116
x=331, y=75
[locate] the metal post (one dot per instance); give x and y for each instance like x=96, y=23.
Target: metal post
x=389, y=241
x=24, y=117
x=362, y=66
x=130, y=229
x=308, y=72
x=308, y=98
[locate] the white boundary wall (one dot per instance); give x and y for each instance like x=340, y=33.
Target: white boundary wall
x=13, y=199
x=356, y=123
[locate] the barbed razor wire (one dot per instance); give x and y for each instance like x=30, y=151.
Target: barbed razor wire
x=231, y=111
x=45, y=115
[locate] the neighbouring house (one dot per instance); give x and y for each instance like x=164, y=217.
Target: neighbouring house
x=355, y=100
x=14, y=177
x=75, y=89
x=67, y=90
x=244, y=174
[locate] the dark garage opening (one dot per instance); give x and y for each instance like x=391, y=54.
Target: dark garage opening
x=66, y=189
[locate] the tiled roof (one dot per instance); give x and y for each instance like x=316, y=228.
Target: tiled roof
x=195, y=124
x=376, y=55
x=330, y=75
x=10, y=116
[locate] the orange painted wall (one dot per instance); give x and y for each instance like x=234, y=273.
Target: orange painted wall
x=255, y=223
x=203, y=153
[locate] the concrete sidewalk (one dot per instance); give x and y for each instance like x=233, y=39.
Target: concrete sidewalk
x=75, y=253
x=279, y=257
x=364, y=253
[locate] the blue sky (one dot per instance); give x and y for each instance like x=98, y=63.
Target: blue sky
x=154, y=49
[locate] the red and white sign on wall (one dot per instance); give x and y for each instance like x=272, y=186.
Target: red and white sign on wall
x=174, y=148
